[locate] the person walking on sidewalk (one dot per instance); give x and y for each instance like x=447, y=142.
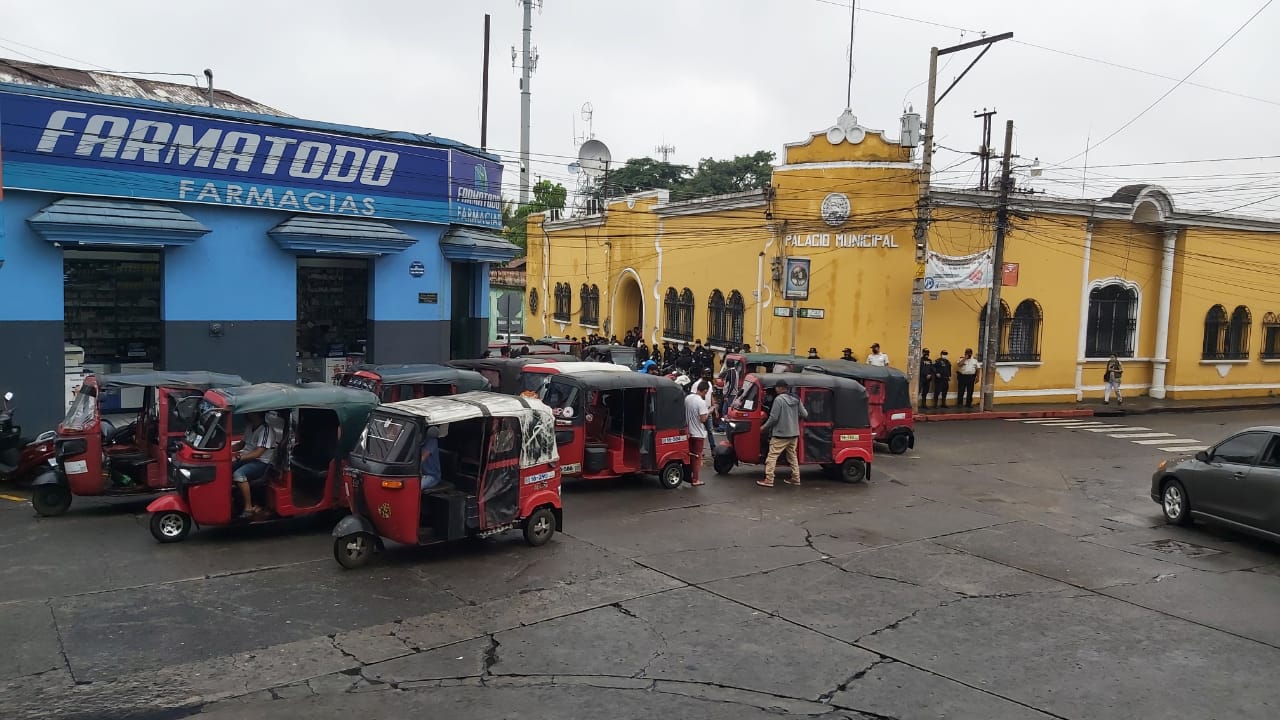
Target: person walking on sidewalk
x=941, y=379
x=696, y=413
x=1111, y=380
x=966, y=378
x=926, y=377
x=784, y=428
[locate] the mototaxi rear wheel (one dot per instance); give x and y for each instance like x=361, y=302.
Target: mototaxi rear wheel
x=853, y=470
x=539, y=526
x=672, y=475
x=899, y=442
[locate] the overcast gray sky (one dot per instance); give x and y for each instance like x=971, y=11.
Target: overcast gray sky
x=723, y=77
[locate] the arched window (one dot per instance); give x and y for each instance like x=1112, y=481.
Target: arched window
x=594, y=296
x=589, y=305
x=716, y=326
x=1215, y=334
x=671, y=314
x=564, y=302
x=1238, y=333
x=1024, y=332
x=1270, y=336
x=686, y=314
x=1006, y=318
x=1113, y=321
x=735, y=311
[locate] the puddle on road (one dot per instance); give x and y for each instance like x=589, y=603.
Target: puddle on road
x=1179, y=547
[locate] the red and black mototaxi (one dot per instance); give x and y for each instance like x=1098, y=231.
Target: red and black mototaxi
x=499, y=471
x=93, y=457
x=317, y=425
x=21, y=457
x=836, y=434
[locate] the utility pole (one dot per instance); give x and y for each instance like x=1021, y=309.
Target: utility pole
x=528, y=62
x=484, y=91
x=991, y=353
x=923, y=209
x=984, y=150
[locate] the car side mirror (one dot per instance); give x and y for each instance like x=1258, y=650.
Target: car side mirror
x=1203, y=456
x=8, y=396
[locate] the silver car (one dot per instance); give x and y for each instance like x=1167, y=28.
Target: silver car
x=1236, y=483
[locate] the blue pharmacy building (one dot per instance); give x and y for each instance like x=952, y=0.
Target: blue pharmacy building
x=137, y=234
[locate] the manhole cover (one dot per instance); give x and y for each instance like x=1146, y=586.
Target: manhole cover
x=1178, y=547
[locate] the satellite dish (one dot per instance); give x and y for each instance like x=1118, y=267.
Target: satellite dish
x=594, y=157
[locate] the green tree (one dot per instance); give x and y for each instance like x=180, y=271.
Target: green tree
x=719, y=177
x=546, y=196
x=647, y=174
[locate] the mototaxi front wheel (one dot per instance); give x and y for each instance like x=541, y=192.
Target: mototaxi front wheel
x=170, y=526
x=50, y=500
x=354, y=550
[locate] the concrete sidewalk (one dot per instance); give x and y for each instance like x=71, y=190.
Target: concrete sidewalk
x=1134, y=406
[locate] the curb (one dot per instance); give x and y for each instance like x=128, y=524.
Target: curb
x=1006, y=415
x=1121, y=412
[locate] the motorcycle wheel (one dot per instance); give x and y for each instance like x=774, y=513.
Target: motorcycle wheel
x=51, y=500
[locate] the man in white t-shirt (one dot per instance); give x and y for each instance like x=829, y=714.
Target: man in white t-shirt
x=696, y=413
x=966, y=378
x=876, y=357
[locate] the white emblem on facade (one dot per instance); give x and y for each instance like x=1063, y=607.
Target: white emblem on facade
x=835, y=209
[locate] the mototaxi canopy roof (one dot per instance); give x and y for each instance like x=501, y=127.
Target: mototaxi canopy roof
x=427, y=374
x=850, y=401
x=194, y=379
x=897, y=391
x=352, y=406
x=508, y=369
x=537, y=424
x=668, y=406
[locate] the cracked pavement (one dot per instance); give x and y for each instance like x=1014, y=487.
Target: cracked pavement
x=998, y=571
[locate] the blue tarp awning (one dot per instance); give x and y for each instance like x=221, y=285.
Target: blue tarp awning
x=95, y=221
x=468, y=244
x=313, y=233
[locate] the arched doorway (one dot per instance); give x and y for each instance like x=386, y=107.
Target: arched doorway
x=627, y=309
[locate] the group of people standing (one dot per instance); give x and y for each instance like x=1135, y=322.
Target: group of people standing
x=935, y=378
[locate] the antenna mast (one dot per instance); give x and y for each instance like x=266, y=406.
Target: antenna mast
x=528, y=63
x=848, y=91
x=665, y=150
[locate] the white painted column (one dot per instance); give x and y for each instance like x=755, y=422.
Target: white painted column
x=1160, y=363
x=1082, y=331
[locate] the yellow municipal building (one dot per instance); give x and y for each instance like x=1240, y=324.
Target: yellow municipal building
x=1188, y=301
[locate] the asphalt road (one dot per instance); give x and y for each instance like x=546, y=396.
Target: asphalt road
x=1000, y=570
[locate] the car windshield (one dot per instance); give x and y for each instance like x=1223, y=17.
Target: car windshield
x=82, y=409
x=209, y=431
x=387, y=439
x=557, y=395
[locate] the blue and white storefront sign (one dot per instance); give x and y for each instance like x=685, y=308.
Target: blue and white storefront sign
x=116, y=150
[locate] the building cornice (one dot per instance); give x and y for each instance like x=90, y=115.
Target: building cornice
x=713, y=203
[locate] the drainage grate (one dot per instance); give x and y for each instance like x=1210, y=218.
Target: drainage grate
x=1178, y=547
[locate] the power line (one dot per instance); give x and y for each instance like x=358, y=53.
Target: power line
x=1176, y=85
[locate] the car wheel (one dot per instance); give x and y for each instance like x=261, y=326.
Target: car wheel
x=899, y=442
x=1173, y=501
x=51, y=500
x=853, y=470
x=539, y=527
x=354, y=550
x=672, y=475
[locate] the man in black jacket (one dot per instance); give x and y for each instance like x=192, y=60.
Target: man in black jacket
x=941, y=379
x=925, y=379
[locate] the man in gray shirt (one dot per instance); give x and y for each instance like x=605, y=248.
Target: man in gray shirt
x=784, y=424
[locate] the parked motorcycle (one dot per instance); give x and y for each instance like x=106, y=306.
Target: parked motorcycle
x=21, y=457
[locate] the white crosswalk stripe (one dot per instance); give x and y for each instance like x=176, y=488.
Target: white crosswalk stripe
x=1167, y=442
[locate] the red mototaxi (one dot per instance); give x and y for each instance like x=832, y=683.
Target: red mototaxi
x=393, y=383
x=612, y=424
x=318, y=424
x=499, y=472
x=888, y=396
x=95, y=458
x=836, y=434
